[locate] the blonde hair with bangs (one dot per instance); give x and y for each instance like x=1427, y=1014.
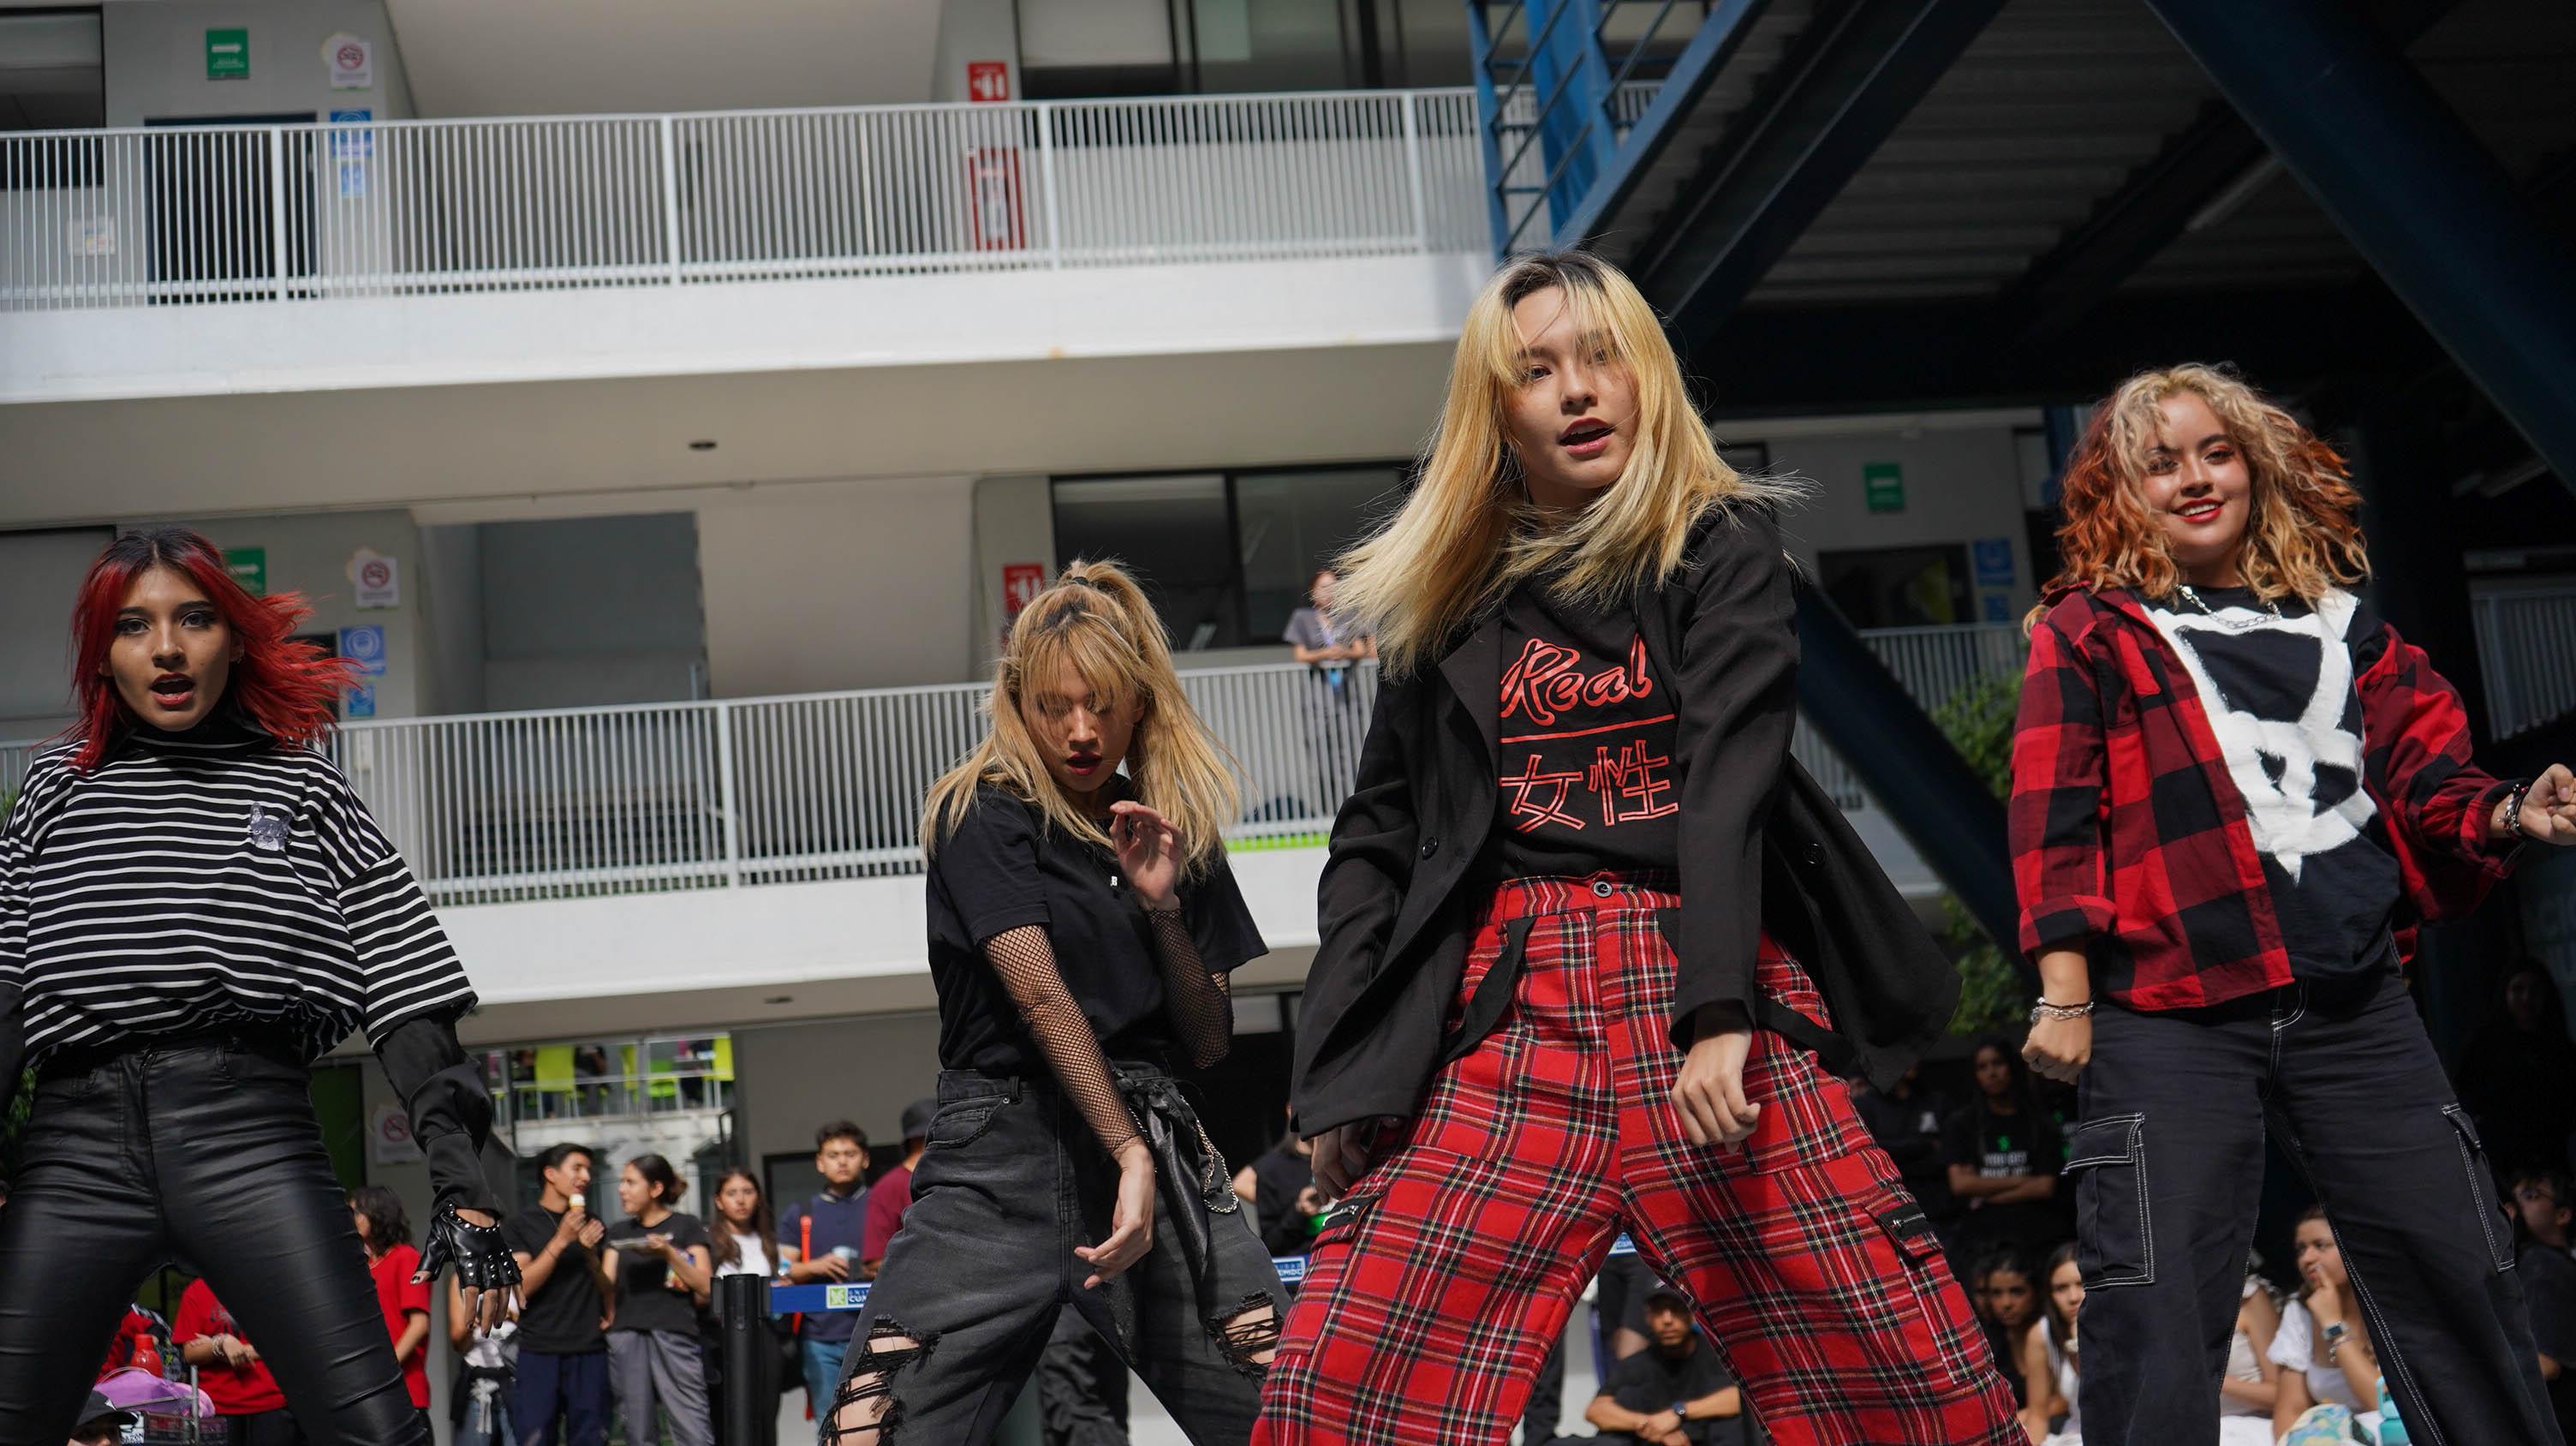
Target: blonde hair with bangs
x=2302, y=533
x=1469, y=533
x=1097, y=619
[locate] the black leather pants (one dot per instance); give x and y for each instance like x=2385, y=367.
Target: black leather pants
x=203, y=1150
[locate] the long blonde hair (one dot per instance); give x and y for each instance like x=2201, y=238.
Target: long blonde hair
x=2302, y=537
x=1096, y=618
x=1469, y=533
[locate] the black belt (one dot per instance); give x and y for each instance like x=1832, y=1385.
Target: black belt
x=272, y=1042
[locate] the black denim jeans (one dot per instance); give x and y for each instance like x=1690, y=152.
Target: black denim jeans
x=204, y=1150
x=2167, y=1167
x=1010, y=1181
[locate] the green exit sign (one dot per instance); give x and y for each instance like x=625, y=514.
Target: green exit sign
x=1883, y=484
x=228, y=55
x=249, y=567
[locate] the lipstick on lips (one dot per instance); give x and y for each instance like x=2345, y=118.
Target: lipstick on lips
x=173, y=690
x=1082, y=765
x=1585, y=439
x=2200, y=509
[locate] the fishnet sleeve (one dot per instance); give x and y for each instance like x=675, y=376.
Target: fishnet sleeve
x=1026, y=961
x=1196, y=1000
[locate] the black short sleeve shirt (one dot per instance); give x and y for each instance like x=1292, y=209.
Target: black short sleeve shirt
x=1005, y=867
x=562, y=1318
x=645, y=1299
x=1651, y=1381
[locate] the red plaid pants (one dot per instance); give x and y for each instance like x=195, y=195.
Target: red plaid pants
x=1430, y=1304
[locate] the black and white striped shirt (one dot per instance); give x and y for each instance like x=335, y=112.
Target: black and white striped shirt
x=207, y=878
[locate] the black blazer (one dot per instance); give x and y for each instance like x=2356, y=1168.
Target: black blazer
x=1763, y=848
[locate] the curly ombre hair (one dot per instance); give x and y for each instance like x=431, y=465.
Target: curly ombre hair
x=1097, y=619
x=2301, y=536
x=1469, y=534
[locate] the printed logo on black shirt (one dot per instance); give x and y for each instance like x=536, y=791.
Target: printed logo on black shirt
x=1586, y=741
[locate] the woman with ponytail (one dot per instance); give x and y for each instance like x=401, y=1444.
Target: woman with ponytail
x=194, y=906
x=1082, y=924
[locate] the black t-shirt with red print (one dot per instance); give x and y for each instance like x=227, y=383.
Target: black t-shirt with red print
x=1587, y=735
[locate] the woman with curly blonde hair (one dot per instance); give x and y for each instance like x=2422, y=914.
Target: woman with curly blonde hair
x=2236, y=793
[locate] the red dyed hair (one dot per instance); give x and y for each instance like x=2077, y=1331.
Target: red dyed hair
x=2302, y=532
x=286, y=687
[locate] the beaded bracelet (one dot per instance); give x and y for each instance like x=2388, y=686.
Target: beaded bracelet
x=2513, y=809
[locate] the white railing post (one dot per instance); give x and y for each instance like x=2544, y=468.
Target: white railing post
x=1413, y=175
x=671, y=199
x=277, y=207
x=728, y=796
x=1046, y=177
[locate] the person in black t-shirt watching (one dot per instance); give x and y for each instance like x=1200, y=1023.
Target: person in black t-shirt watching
x=2004, y=1154
x=660, y=1262
x=1675, y=1392
x=1907, y=1122
x=564, y=1289
x=1285, y=1201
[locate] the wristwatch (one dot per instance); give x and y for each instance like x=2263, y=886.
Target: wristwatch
x=1682, y=1409
x=2334, y=1335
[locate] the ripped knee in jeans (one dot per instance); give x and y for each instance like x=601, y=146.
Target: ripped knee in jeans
x=865, y=1413
x=1248, y=1333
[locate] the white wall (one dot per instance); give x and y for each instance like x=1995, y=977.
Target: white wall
x=1014, y=523
x=310, y=552
x=1963, y=481
x=838, y=585
x=971, y=31
x=155, y=56
x=514, y=57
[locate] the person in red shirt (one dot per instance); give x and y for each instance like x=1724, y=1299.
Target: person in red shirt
x=891, y=1195
x=230, y=1372
x=386, y=1228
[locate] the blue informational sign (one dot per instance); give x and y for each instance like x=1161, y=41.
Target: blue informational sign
x=362, y=701
x=1998, y=607
x=365, y=647
x=1994, y=561
x=353, y=138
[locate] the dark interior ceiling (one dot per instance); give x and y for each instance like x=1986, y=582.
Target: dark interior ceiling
x=2061, y=196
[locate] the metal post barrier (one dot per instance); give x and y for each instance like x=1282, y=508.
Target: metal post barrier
x=750, y=1362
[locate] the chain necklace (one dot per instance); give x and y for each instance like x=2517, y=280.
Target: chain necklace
x=2193, y=597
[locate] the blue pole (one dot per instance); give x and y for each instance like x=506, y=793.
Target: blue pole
x=2413, y=190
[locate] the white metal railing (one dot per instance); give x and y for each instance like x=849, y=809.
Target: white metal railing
x=2527, y=652
x=560, y=803
x=173, y=215
x=568, y=802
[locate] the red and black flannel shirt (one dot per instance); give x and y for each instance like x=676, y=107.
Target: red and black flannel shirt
x=2129, y=840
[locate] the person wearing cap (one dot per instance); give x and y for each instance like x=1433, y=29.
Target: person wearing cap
x=100, y=1423
x=1675, y=1392
x=891, y=1195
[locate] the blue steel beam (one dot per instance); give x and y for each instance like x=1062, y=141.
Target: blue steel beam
x=1711, y=46
x=2411, y=188
x=1939, y=803
x=1573, y=83
x=1844, y=88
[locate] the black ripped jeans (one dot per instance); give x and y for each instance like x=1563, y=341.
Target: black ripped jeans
x=2168, y=1165
x=203, y=1150
x=1012, y=1179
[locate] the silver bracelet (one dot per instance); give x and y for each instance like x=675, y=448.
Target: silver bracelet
x=2513, y=810
x=2060, y=1011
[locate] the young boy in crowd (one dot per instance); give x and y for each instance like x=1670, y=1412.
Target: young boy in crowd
x=827, y=1231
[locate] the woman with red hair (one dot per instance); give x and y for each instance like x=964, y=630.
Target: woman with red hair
x=2236, y=792
x=193, y=907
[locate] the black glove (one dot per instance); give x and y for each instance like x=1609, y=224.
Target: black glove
x=481, y=1257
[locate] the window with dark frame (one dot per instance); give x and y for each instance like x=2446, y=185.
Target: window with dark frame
x=1226, y=556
